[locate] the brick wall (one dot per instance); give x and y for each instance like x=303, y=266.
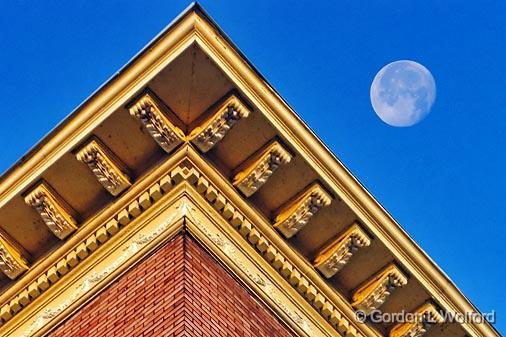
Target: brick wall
x=180, y=290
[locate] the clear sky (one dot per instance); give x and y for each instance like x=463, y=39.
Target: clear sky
x=443, y=179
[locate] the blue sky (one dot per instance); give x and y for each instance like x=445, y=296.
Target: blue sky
x=443, y=179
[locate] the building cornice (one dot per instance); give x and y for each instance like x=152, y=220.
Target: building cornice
x=337, y=176
x=308, y=312
x=196, y=28
x=105, y=165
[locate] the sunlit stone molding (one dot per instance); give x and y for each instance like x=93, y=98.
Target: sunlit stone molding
x=12, y=263
x=426, y=317
x=223, y=116
x=150, y=112
x=296, y=214
x=53, y=210
x=338, y=253
x=106, y=167
x=259, y=167
x=374, y=292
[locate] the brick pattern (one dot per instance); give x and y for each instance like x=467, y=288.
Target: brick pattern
x=180, y=290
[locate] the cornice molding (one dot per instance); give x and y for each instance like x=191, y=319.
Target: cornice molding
x=149, y=111
x=174, y=183
x=102, y=265
x=195, y=27
x=287, y=267
x=222, y=118
x=257, y=169
x=374, y=292
x=53, y=210
x=296, y=213
x=105, y=165
x=333, y=172
x=12, y=262
x=91, y=235
x=268, y=286
x=332, y=258
x=425, y=316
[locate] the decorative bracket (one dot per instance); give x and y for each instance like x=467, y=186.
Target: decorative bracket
x=373, y=293
x=336, y=255
x=108, y=168
x=259, y=167
x=425, y=317
x=297, y=213
x=149, y=111
x=52, y=209
x=224, y=116
x=12, y=263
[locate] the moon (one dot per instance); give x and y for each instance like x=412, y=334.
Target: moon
x=402, y=93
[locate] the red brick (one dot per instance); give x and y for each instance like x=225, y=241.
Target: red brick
x=180, y=290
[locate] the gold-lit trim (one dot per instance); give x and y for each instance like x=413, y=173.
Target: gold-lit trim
x=260, y=167
x=53, y=210
x=425, y=318
x=297, y=213
x=105, y=165
x=12, y=262
x=337, y=254
x=151, y=114
x=374, y=292
x=218, y=202
x=221, y=120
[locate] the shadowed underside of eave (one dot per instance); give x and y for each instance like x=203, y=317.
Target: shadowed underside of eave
x=190, y=103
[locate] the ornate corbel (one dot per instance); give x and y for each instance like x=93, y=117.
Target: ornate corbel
x=259, y=167
x=53, y=210
x=336, y=255
x=424, y=318
x=373, y=293
x=107, y=168
x=12, y=263
x=150, y=112
x=222, y=118
x=297, y=213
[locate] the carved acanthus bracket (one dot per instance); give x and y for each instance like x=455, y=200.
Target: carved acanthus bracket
x=336, y=255
x=150, y=112
x=297, y=213
x=108, y=168
x=224, y=116
x=12, y=263
x=53, y=210
x=424, y=318
x=373, y=293
x=260, y=167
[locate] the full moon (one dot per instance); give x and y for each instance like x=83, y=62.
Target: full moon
x=402, y=93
